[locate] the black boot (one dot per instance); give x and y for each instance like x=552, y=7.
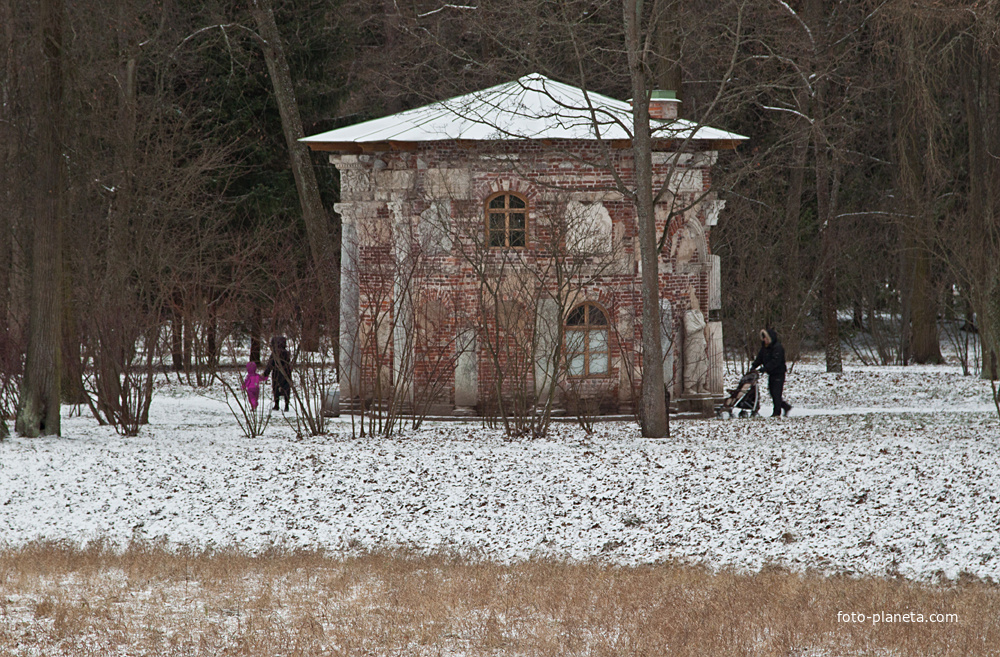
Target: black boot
x=785, y=408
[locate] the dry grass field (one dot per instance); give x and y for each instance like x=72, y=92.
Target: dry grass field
x=58, y=600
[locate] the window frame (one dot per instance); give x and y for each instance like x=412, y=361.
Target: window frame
x=507, y=210
x=585, y=330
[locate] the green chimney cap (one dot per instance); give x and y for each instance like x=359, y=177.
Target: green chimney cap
x=661, y=94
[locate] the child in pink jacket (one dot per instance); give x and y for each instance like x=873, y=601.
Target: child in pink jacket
x=252, y=384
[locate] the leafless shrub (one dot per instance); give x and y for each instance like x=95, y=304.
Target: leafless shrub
x=959, y=328
x=523, y=302
x=632, y=364
x=436, y=351
x=314, y=379
x=877, y=340
x=403, y=338
x=252, y=420
x=383, y=274
x=11, y=367
x=123, y=347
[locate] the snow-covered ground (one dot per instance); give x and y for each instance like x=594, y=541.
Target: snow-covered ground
x=877, y=471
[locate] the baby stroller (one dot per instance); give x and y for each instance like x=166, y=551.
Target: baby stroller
x=745, y=397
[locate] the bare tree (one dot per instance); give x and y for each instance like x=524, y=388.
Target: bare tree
x=607, y=45
x=318, y=225
x=38, y=412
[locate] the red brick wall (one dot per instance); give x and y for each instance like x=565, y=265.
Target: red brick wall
x=546, y=176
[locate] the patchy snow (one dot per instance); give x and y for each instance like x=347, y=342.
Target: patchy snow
x=878, y=471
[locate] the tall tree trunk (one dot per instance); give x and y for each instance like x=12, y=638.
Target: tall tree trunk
x=924, y=340
x=979, y=262
x=829, y=257
x=915, y=173
x=654, y=410
x=905, y=301
x=176, y=340
x=256, y=328
x=72, y=370
x=188, y=349
x=6, y=256
x=9, y=154
x=792, y=274
x=38, y=413
x=211, y=339
x=319, y=228
x=113, y=325
x=816, y=16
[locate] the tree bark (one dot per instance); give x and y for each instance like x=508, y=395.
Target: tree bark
x=38, y=412
x=72, y=370
x=925, y=343
x=256, y=328
x=829, y=245
x=979, y=262
x=176, y=340
x=831, y=330
x=9, y=154
x=318, y=225
x=792, y=273
x=816, y=16
x=188, y=342
x=914, y=173
x=654, y=410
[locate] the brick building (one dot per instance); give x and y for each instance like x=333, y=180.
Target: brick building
x=490, y=251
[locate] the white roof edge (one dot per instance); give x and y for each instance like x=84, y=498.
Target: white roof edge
x=531, y=107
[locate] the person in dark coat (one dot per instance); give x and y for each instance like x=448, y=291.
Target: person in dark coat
x=771, y=359
x=280, y=364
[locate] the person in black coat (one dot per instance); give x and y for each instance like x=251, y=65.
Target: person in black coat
x=280, y=364
x=771, y=359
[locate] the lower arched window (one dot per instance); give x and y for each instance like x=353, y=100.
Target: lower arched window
x=587, y=351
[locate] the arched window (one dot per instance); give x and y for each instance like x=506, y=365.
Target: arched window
x=587, y=351
x=507, y=221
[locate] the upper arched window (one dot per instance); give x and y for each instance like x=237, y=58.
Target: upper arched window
x=507, y=221
x=587, y=351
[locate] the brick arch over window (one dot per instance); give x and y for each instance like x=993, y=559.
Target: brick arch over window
x=588, y=350
x=507, y=220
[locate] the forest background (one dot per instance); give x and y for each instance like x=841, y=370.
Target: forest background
x=149, y=196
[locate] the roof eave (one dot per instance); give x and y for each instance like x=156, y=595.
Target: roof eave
x=392, y=145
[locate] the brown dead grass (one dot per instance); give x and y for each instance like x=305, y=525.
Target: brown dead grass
x=59, y=600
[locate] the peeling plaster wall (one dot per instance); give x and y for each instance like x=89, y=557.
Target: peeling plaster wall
x=412, y=219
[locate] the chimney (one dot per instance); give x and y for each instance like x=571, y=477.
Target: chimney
x=663, y=104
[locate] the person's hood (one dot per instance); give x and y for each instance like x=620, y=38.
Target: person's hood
x=771, y=333
x=251, y=368
x=279, y=342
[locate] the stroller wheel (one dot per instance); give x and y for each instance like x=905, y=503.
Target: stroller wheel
x=754, y=414
x=743, y=413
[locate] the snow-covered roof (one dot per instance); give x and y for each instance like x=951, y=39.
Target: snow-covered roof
x=532, y=107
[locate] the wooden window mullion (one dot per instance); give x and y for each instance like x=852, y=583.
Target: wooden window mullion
x=503, y=236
